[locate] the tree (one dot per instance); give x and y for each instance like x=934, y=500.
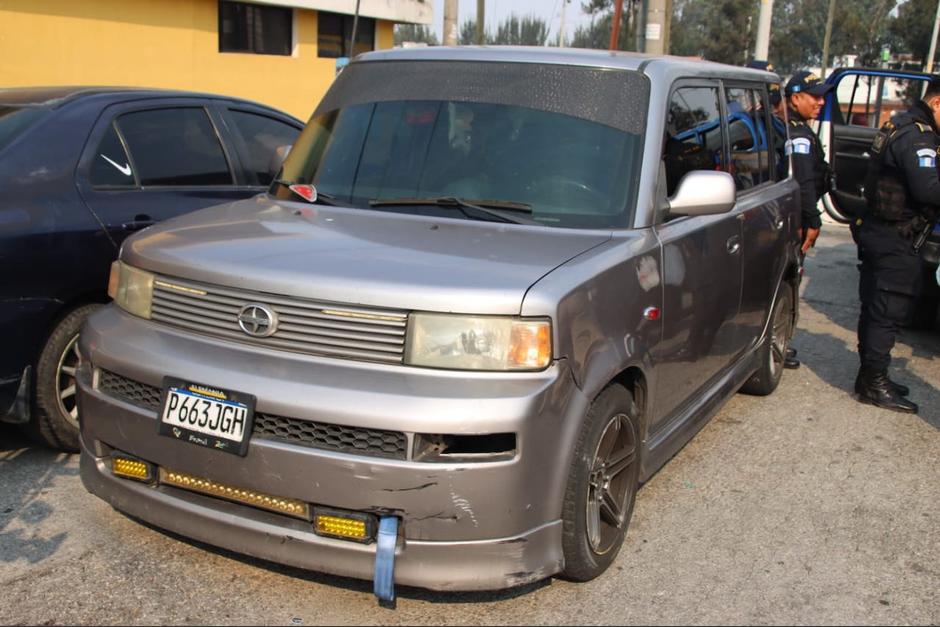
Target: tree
x=528, y=30
x=861, y=27
x=717, y=30
x=414, y=32
x=597, y=34
x=912, y=29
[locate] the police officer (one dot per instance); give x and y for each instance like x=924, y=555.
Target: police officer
x=903, y=193
x=805, y=99
x=805, y=95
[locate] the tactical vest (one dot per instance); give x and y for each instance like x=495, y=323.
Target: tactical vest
x=885, y=189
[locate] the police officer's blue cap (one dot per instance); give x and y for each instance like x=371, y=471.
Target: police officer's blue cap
x=804, y=82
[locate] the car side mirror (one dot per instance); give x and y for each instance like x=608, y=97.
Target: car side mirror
x=703, y=193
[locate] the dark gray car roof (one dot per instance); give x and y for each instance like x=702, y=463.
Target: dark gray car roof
x=570, y=56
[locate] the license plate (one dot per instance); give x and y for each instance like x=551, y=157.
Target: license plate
x=207, y=416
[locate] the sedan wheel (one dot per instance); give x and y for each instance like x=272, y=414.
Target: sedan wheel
x=55, y=416
x=68, y=366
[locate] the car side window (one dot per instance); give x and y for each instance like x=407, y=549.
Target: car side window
x=693, y=138
x=267, y=142
x=177, y=146
x=870, y=101
x=747, y=134
x=111, y=167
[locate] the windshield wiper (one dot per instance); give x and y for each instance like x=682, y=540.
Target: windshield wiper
x=322, y=198
x=475, y=208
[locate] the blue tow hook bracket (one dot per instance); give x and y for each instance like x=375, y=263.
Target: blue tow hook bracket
x=384, y=585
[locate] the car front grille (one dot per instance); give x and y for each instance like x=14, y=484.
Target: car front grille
x=303, y=326
x=319, y=435
x=128, y=390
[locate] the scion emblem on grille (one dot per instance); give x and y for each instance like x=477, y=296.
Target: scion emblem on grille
x=257, y=320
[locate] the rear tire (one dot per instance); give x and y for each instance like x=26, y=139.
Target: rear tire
x=55, y=416
x=602, y=485
x=771, y=354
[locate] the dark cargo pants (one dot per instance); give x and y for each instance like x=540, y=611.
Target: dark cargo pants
x=890, y=278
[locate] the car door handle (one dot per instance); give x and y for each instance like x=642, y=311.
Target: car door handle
x=734, y=245
x=137, y=225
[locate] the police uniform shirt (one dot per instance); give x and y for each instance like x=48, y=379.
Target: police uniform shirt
x=912, y=148
x=809, y=168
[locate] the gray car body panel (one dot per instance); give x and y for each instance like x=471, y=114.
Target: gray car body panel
x=500, y=520
x=359, y=256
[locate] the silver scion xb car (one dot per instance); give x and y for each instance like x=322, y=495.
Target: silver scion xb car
x=491, y=292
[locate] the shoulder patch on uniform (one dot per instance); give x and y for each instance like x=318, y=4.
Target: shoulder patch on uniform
x=927, y=158
x=801, y=146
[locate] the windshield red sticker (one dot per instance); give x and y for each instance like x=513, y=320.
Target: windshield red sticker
x=307, y=192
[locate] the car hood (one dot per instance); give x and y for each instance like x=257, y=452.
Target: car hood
x=357, y=256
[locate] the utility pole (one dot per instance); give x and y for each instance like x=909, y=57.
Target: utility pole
x=762, y=49
x=825, y=59
x=639, y=24
x=667, y=26
x=615, y=26
x=450, y=22
x=561, y=29
x=352, y=44
x=933, y=41
x=656, y=25
x=481, y=21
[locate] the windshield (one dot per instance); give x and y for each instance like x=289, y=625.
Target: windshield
x=14, y=120
x=572, y=172
x=568, y=156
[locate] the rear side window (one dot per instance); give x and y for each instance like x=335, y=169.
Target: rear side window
x=747, y=134
x=175, y=147
x=267, y=141
x=693, y=134
x=111, y=167
x=15, y=120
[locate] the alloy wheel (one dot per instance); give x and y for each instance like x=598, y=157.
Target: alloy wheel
x=611, y=484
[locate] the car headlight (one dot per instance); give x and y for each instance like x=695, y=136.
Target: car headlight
x=131, y=289
x=479, y=342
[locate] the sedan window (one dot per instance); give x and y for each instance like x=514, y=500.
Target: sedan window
x=175, y=147
x=14, y=120
x=267, y=141
x=111, y=167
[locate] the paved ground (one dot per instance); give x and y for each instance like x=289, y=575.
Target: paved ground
x=803, y=508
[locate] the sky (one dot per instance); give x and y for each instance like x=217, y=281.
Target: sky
x=498, y=10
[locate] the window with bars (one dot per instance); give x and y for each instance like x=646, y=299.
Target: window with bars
x=334, y=35
x=254, y=28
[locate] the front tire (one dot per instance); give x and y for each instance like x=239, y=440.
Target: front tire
x=55, y=420
x=602, y=485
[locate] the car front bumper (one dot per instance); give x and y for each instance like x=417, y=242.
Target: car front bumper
x=463, y=526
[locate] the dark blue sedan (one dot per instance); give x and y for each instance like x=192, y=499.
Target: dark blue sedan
x=80, y=170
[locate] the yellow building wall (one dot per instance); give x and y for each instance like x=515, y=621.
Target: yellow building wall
x=158, y=43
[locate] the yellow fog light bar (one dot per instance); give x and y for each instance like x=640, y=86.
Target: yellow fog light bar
x=131, y=468
x=346, y=525
x=290, y=507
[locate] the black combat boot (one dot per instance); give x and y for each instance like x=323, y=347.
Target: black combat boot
x=900, y=389
x=790, y=361
x=876, y=389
